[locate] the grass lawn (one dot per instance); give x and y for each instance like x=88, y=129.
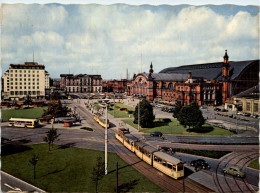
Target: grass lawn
x=254, y=164
x=31, y=113
x=175, y=128
x=68, y=169
x=120, y=114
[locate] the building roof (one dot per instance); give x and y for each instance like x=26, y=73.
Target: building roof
x=168, y=76
x=252, y=93
x=210, y=70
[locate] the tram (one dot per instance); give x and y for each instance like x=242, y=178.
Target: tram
x=101, y=120
x=162, y=161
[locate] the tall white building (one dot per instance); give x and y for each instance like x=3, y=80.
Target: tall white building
x=23, y=79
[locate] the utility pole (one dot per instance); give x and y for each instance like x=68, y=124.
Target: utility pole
x=139, y=114
x=106, y=142
x=116, y=177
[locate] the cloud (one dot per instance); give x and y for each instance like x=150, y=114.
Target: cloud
x=109, y=39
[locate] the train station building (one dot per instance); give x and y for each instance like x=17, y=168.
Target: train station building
x=205, y=84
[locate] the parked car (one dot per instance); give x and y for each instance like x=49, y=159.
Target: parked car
x=224, y=110
x=234, y=171
x=247, y=114
x=156, y=134
x=200, y=163
x=204, y=107
x=217, y=109
x=170, y=110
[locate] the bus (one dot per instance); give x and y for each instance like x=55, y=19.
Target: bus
x=22, y=122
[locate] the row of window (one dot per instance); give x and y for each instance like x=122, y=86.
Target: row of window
x=24, y=92
x=255, y=107
x=16, y=75
x=29, y=71
x=16, y=79
x=21, y=83
x=25, y=87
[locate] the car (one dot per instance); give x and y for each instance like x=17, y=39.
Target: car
x=156, y=134
x=171, y=110
x=234, y=171
x=217, y=109
x=200, y=163
x=204, y=107
x=224, y=110
x=247, y=114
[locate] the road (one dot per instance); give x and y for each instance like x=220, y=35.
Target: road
x=11, y=183
x=95, y=140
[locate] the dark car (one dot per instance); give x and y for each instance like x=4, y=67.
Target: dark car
x=200, y=163
x=156, y=134
x=217, y=109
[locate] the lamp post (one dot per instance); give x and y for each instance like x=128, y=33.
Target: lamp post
x=106, y=101
x=138, y=114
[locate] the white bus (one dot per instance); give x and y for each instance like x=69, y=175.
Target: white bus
x=22, y=122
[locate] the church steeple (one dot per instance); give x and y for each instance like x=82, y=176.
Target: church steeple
x=151, y=68
x=225, y=57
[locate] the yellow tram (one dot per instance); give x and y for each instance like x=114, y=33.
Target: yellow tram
x=162, y=161
x=101, y=120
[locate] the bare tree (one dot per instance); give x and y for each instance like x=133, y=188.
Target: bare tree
x=34, y=161
x=51, y=136
x=98, y=171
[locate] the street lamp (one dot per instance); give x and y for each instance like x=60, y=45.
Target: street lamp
x=139, y=114
x=107, y=102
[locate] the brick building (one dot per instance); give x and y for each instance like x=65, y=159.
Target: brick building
x=116, y=86
x=81, y=83
x=209, y=84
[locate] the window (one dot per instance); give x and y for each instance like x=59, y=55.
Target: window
x=248, y=106
x=29, y=79
x=16, y=79
x=21, y=83
x=15, y=70
x=20, y=70
x=37, y=83
x=11, y=79
x=24, y=75
x=37, y=87
x=29, y=87
x=21, y=87
x=25, y=87
x=29, y=75
x=20, y=75
x=24, y=79
x=16, y=83
x=12, y=87
x=15, y=75
x=11, y=75
x=37, y=79
x=37, y=75
x=16, y=87
x=11, y=70
x=33, y=75
x=255, y=107
x=37, y=72
x=21, y=79
x=33, y=79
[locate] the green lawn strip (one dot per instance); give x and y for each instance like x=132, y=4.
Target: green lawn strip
x=254, y=164
x=31, y=113
x=121, y=114
x=204, y=153
x=175, y=128
x=69, y=169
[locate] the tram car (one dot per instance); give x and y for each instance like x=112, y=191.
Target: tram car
x=162, y=161
x=101, y=120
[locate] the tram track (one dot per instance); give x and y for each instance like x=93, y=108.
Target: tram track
x=167, y=183
x=227, y=160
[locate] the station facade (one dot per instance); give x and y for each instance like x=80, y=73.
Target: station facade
x=205, y=84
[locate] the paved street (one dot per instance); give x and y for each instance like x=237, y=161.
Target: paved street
x=77, y=137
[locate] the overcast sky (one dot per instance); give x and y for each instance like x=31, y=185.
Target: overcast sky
x=108, y=39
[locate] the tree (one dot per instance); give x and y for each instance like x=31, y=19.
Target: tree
x=177, y=110
x=28, y=100
x=51, y=136
x=191, y=116
x=34, y=162
x=55, y=109
x=146, y=114
x=98, y=171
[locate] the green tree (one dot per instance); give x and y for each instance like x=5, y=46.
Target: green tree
x=28, y=100
x=55, y=109
x=177, y=110
x=191, y=116
x=98, y=172
x=51, y=136
x=34, y=162
x=146, y=114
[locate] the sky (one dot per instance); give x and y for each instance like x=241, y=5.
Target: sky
x=111, y=39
